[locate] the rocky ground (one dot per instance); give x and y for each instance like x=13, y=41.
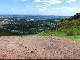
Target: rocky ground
x=37, y=47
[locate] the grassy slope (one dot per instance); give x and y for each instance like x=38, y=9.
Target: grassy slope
x=66, y=29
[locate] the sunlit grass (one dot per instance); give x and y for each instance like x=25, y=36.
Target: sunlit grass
x=59, y=34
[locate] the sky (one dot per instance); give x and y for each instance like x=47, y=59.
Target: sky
x=42, y=7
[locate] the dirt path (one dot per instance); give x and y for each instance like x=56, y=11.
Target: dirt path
x=36, y=47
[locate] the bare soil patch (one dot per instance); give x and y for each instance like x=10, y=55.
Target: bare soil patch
x=38, y=47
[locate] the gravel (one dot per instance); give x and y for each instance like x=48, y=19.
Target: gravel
x=38, y=47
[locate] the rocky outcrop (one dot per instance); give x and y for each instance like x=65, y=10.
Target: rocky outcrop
x=76, y=16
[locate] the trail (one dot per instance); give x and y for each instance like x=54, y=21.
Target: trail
x=37, y=47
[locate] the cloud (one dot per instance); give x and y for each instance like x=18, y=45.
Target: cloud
x=50, y=2
x=27, y=8
x=41, y=8
x=69, y=9
x=38, y=6
x=70, y=1
x=37, y=1
x=66, y=10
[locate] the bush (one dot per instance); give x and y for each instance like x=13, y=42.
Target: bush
x=78, y=32
x=71, y=33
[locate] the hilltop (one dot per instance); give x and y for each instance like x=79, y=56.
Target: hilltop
x=38, y=47
x=67, y=27
x=46, y=45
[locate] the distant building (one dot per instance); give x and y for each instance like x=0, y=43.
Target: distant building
x=31, y=19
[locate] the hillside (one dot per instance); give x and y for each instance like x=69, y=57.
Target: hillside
x=67, y=27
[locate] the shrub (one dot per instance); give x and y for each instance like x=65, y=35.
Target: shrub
x=71, y=33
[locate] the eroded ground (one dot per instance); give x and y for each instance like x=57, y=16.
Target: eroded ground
x=37, y=47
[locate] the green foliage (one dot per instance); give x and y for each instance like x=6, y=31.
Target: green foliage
x=70, y=33
x=32, y=31
x=66, y=25
x=27, y=28
x=64, y=28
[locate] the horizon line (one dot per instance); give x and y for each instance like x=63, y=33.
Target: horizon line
x=36, y=14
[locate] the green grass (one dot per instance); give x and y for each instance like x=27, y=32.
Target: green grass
x=65, y=29
x=59, y=34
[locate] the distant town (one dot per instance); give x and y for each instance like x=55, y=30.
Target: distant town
x=26, y=24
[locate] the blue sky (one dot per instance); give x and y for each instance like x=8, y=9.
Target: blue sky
x=43, y=7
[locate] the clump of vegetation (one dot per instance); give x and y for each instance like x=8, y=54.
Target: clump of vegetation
x=70, y=33
x=65, y=28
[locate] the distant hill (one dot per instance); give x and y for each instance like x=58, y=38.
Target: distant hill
x=33, y=16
